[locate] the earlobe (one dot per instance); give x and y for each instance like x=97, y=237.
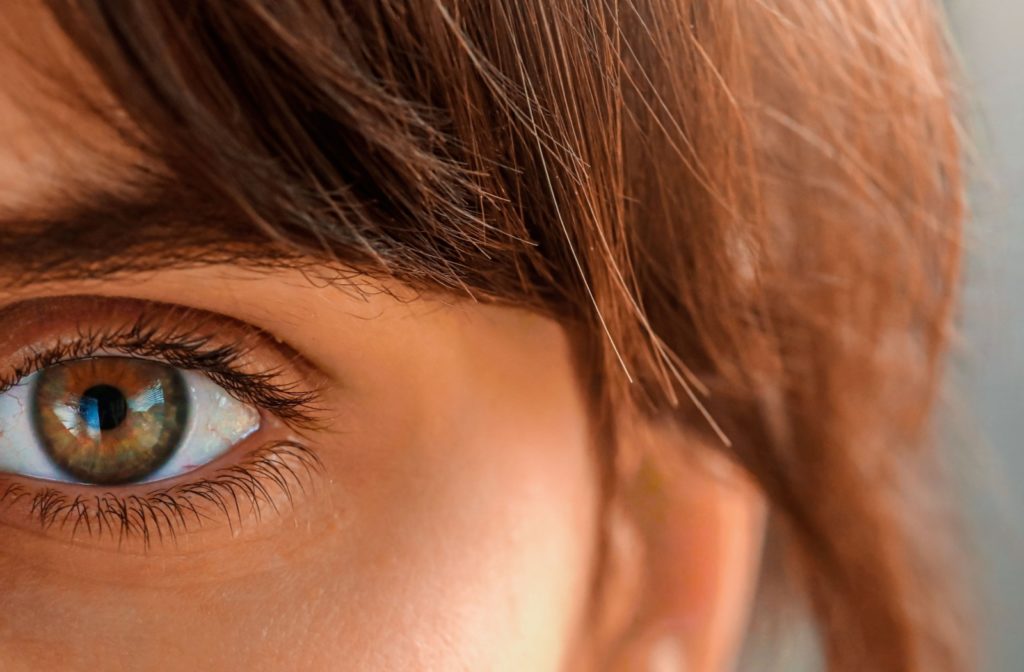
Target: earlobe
x=700, y=522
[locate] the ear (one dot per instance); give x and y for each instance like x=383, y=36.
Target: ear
x=700, y=521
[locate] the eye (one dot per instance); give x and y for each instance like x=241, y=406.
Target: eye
x=117, y=420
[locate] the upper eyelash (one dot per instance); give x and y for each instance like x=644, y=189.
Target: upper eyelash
x=147, y=337
x=164, y=513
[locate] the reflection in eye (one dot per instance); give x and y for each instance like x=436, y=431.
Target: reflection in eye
x=117, y=420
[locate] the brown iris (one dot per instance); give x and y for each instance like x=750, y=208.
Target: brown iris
x=110, y=420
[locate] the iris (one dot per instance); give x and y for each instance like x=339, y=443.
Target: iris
x=109, y=420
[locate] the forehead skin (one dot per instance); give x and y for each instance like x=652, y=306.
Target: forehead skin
x=454, y=527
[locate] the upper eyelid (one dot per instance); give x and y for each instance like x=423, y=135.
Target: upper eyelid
x=156, y=332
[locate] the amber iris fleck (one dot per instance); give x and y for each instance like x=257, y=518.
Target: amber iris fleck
x=110, y=420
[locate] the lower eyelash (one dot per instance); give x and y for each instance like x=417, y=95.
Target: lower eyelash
x=252, y=486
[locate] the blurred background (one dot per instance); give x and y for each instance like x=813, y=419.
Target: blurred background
x=987, y=394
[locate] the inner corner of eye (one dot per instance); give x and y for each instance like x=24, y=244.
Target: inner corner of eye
x=118, y=421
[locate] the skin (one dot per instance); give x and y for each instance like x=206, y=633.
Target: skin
x=443, y=531
x=454, y=524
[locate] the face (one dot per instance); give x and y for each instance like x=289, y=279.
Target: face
x=218, y=464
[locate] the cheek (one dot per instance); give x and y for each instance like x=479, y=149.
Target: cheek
x=472, y=545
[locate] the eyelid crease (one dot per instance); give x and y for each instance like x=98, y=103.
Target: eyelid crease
x=256, y=484
x=160, y=332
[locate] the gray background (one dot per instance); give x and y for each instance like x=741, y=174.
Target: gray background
x=987, y=385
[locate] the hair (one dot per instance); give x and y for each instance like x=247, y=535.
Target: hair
x=748, y=211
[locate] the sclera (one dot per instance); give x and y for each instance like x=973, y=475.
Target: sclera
x=216, y=422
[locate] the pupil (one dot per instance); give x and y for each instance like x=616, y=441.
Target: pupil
x=103, y=406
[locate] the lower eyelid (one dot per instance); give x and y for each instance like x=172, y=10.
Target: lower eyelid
x=264, y=482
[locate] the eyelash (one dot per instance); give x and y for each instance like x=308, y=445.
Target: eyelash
x=167, y=512
x=186, y=349
x=164, y=513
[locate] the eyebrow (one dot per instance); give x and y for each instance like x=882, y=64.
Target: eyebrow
x=100, y=234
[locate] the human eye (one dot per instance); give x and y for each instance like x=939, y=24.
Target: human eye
x=134, y=420
x=117, y=420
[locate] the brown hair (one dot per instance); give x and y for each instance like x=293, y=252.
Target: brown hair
x=747, y=208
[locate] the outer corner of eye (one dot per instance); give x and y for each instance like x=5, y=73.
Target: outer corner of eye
x=118, y=421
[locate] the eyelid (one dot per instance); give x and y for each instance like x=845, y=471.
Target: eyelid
x=246, y=361
x=260, y=482
x=220, y=347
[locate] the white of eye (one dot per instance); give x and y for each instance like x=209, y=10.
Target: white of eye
x=217, y=422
